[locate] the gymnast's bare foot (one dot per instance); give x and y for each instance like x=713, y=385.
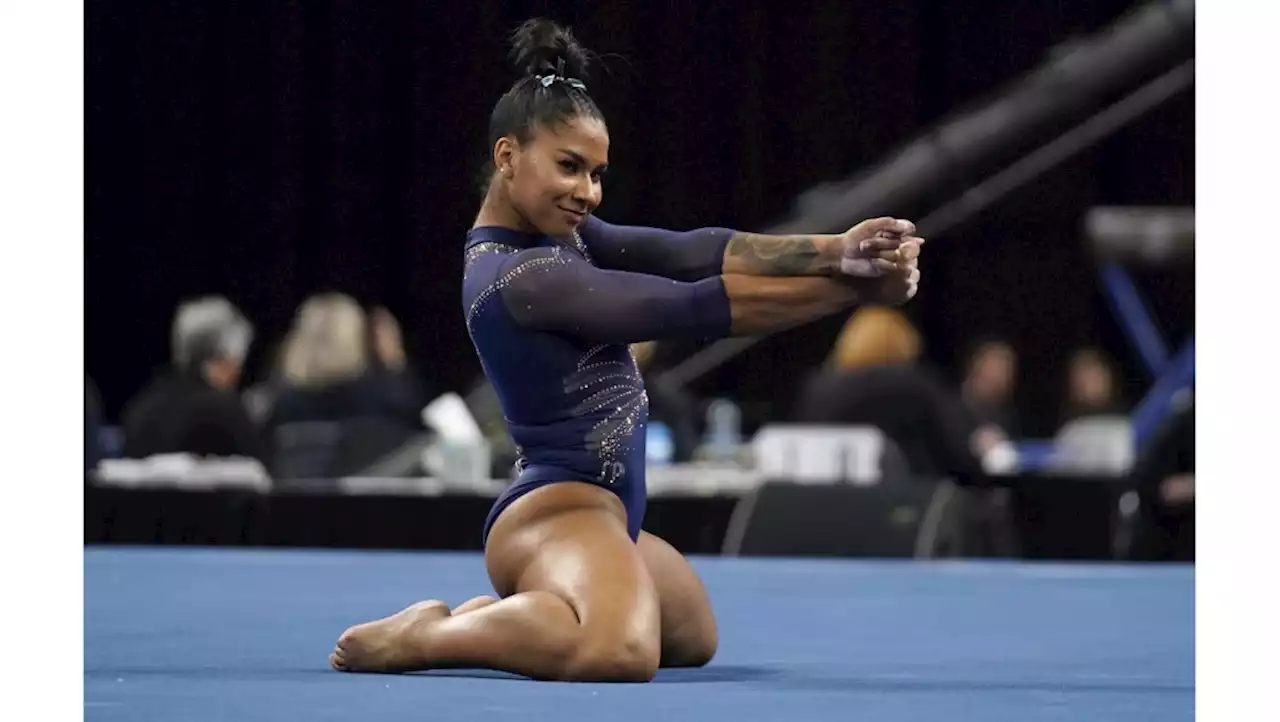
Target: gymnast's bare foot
x=387, y=645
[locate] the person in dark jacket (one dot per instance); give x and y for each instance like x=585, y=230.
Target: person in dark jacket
x=990, y=378
x=1091, y=387
x=872, y=378
x=93, y=451
x=1165, y=478
x=339, y=364
x=343, y=398
x=192, y=407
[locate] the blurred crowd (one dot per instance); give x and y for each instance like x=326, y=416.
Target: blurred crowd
x=340, y=394
x=875, y=376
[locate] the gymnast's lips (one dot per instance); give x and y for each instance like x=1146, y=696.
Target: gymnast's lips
x=577, y=216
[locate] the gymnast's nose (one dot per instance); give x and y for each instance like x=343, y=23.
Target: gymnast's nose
x=588, y=192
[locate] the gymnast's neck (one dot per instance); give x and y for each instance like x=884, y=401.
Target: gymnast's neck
x=498, y=210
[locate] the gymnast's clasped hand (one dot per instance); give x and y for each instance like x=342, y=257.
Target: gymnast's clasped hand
x=887, y=251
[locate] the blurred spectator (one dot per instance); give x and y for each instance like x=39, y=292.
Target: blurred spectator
x=669, y=405
x=1165, y=478
x=1091, y=387
x=990, y=377
x=261, y=394
x=339, y=364
x=390, y=361
x=344, y=400
x=872, y=378
x=93, y=451
x=192, y=407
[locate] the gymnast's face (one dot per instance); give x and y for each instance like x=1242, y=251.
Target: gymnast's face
x=554, y=179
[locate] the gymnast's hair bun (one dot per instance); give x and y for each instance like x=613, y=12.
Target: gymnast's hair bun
x=538, y=47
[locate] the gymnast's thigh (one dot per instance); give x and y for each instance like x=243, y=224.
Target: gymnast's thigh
x=570, y=539
x=689, y=634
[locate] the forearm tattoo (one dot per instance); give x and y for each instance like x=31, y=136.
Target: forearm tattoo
x=765, y=255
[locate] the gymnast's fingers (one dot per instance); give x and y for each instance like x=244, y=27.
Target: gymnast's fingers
x=885, y=265
x=881, y=244
x=910, y=248
x=904, y=256
x=882, y=226
x=912, y=283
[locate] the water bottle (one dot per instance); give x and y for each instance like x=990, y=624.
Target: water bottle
x=660, y=445
x=724, y=430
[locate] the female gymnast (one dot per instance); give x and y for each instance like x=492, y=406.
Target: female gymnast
x=552, y=297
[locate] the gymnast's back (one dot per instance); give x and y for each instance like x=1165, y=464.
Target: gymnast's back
x=552, y=332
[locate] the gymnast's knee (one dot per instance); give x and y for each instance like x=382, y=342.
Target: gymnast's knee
x=632, y=658
x=696, y=646
x=703, y=649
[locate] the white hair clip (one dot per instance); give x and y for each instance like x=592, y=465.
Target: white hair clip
x=550, y=78
x=547, y=80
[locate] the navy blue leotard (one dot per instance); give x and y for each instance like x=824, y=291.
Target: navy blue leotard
x=551, y=321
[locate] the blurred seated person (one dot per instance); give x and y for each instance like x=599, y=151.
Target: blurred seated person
x=260, y=396
x=334, y=367
x=93, y=451
x=872, y=378
x=391, y=361
x=991, y=373
x=193, y=407
x=669, y=404
x=344, y=400
x=1165, y=478
x=1091, y=387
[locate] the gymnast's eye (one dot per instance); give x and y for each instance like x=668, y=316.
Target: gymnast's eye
x=569, y=166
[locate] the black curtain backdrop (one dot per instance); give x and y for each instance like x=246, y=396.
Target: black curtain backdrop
x=270, y=150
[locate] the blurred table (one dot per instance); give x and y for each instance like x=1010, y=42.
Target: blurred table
x=300, y=517
x=1055, y=516
x=1066, y=516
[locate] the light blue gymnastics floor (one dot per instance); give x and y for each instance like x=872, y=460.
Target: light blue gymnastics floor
x=243, y=636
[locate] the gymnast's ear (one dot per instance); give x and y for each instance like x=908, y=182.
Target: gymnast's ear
x=505, y=154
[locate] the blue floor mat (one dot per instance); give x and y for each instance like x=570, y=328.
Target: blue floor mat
x=243, y=636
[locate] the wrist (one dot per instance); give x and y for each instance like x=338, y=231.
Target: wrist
x=830, y=251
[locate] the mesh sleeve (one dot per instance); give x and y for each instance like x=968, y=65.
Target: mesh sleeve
x=552, y=289
x=681, y=255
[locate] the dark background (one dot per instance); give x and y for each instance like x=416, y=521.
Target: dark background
x=270, y=150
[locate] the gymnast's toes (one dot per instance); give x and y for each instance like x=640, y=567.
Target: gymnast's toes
x=336, y=660
x=387, y=645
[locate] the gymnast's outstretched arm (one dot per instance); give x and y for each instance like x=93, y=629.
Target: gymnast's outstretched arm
x=551, y=289
x=705, y=252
